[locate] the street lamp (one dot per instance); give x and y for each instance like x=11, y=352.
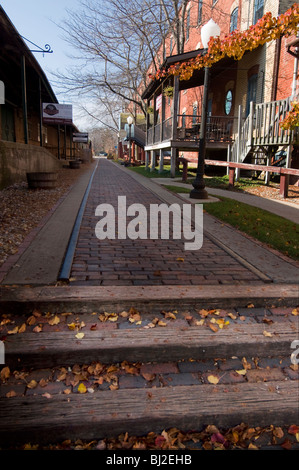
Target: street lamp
x=198, y=192
x=130, y=122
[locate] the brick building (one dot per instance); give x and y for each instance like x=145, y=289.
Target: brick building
x=27, y=142
x=265, y=76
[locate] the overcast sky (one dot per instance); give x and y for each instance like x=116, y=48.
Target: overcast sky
x=35, y=20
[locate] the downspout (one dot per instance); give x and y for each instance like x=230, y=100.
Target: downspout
x=24, y=98
x=276, y=70
x=40, y=112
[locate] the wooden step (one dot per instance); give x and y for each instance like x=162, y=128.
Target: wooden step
x=104, y=414
x=50, y=348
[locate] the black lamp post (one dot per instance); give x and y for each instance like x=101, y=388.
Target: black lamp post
x=199, y=192
x=130, y=122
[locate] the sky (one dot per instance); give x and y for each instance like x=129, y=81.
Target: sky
x=35, y=20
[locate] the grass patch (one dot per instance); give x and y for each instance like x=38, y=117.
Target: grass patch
x=177, y=189
x=221, y=182
x=141, y=170
x=273, y=230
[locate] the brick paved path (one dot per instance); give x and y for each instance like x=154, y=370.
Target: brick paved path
x=144, y=262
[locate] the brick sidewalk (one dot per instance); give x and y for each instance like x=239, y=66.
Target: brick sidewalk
x=144, y=262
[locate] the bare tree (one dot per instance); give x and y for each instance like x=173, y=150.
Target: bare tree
x=115, y=43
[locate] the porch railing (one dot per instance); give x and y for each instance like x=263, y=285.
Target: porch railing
x=261, y=129
x=219, y=129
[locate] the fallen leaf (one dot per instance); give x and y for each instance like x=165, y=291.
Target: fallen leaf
x=72, y=326
x=180, y=259
x=11, y=394
x=213, y=379
x=80, y=335
x=232, y=316
x=278, y=432
x=295, y=311
x=31, y=320
x=169, y=315
x=54, y=321
x=32, y=384
x=149, y=377
x=213, y=327
x=5, y=373
x=47, y=395
x=267, y=334
x=14, y=331
x=82, y=388
x=43, y=382
x=37, y=329
x=241, y=371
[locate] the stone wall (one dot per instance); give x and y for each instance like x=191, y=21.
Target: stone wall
x=17, y=159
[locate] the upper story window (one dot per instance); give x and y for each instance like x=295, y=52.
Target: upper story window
x=234, y=20
x=199, y=11
x=258, y=10
x=188, y=25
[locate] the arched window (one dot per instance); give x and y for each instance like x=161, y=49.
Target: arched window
x=258, y=10
x=234, y=20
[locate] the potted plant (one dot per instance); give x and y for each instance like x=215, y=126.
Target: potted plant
x=168, y=91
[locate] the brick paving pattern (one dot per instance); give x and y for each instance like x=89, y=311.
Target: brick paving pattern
x=144, y=262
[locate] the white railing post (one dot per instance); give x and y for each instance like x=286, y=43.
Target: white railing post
x=239, y=141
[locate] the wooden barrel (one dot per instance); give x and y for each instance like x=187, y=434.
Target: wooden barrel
x=42, y=180
x=75, y=164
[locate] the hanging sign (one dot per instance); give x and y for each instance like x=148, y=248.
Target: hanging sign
x=80, y=137
x=159, y=102
x=54, y=113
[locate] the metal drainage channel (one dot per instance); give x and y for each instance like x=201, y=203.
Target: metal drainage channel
x=64, y=274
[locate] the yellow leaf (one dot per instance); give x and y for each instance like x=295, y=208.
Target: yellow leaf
x=232, y=316
x=54, y=321
x=22, y=328
x=162, y=323
x=267, y=334
x=241, y=371
x=80, y=335
x=14, y=331
x=180, y=259
x=32, y=384
x=72, y=326
x=82, y=388
x=295, y=311
x=213, y=379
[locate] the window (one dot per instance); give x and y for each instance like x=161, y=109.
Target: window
x=228, y=102
x=258, y=10
x=199, y=11
x=188, y=25
x=234, y=20
x=194, y=116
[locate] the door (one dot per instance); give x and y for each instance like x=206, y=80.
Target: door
x=251, y=92
x=7, y=123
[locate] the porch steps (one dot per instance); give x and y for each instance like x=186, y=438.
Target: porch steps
x=96, y=375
